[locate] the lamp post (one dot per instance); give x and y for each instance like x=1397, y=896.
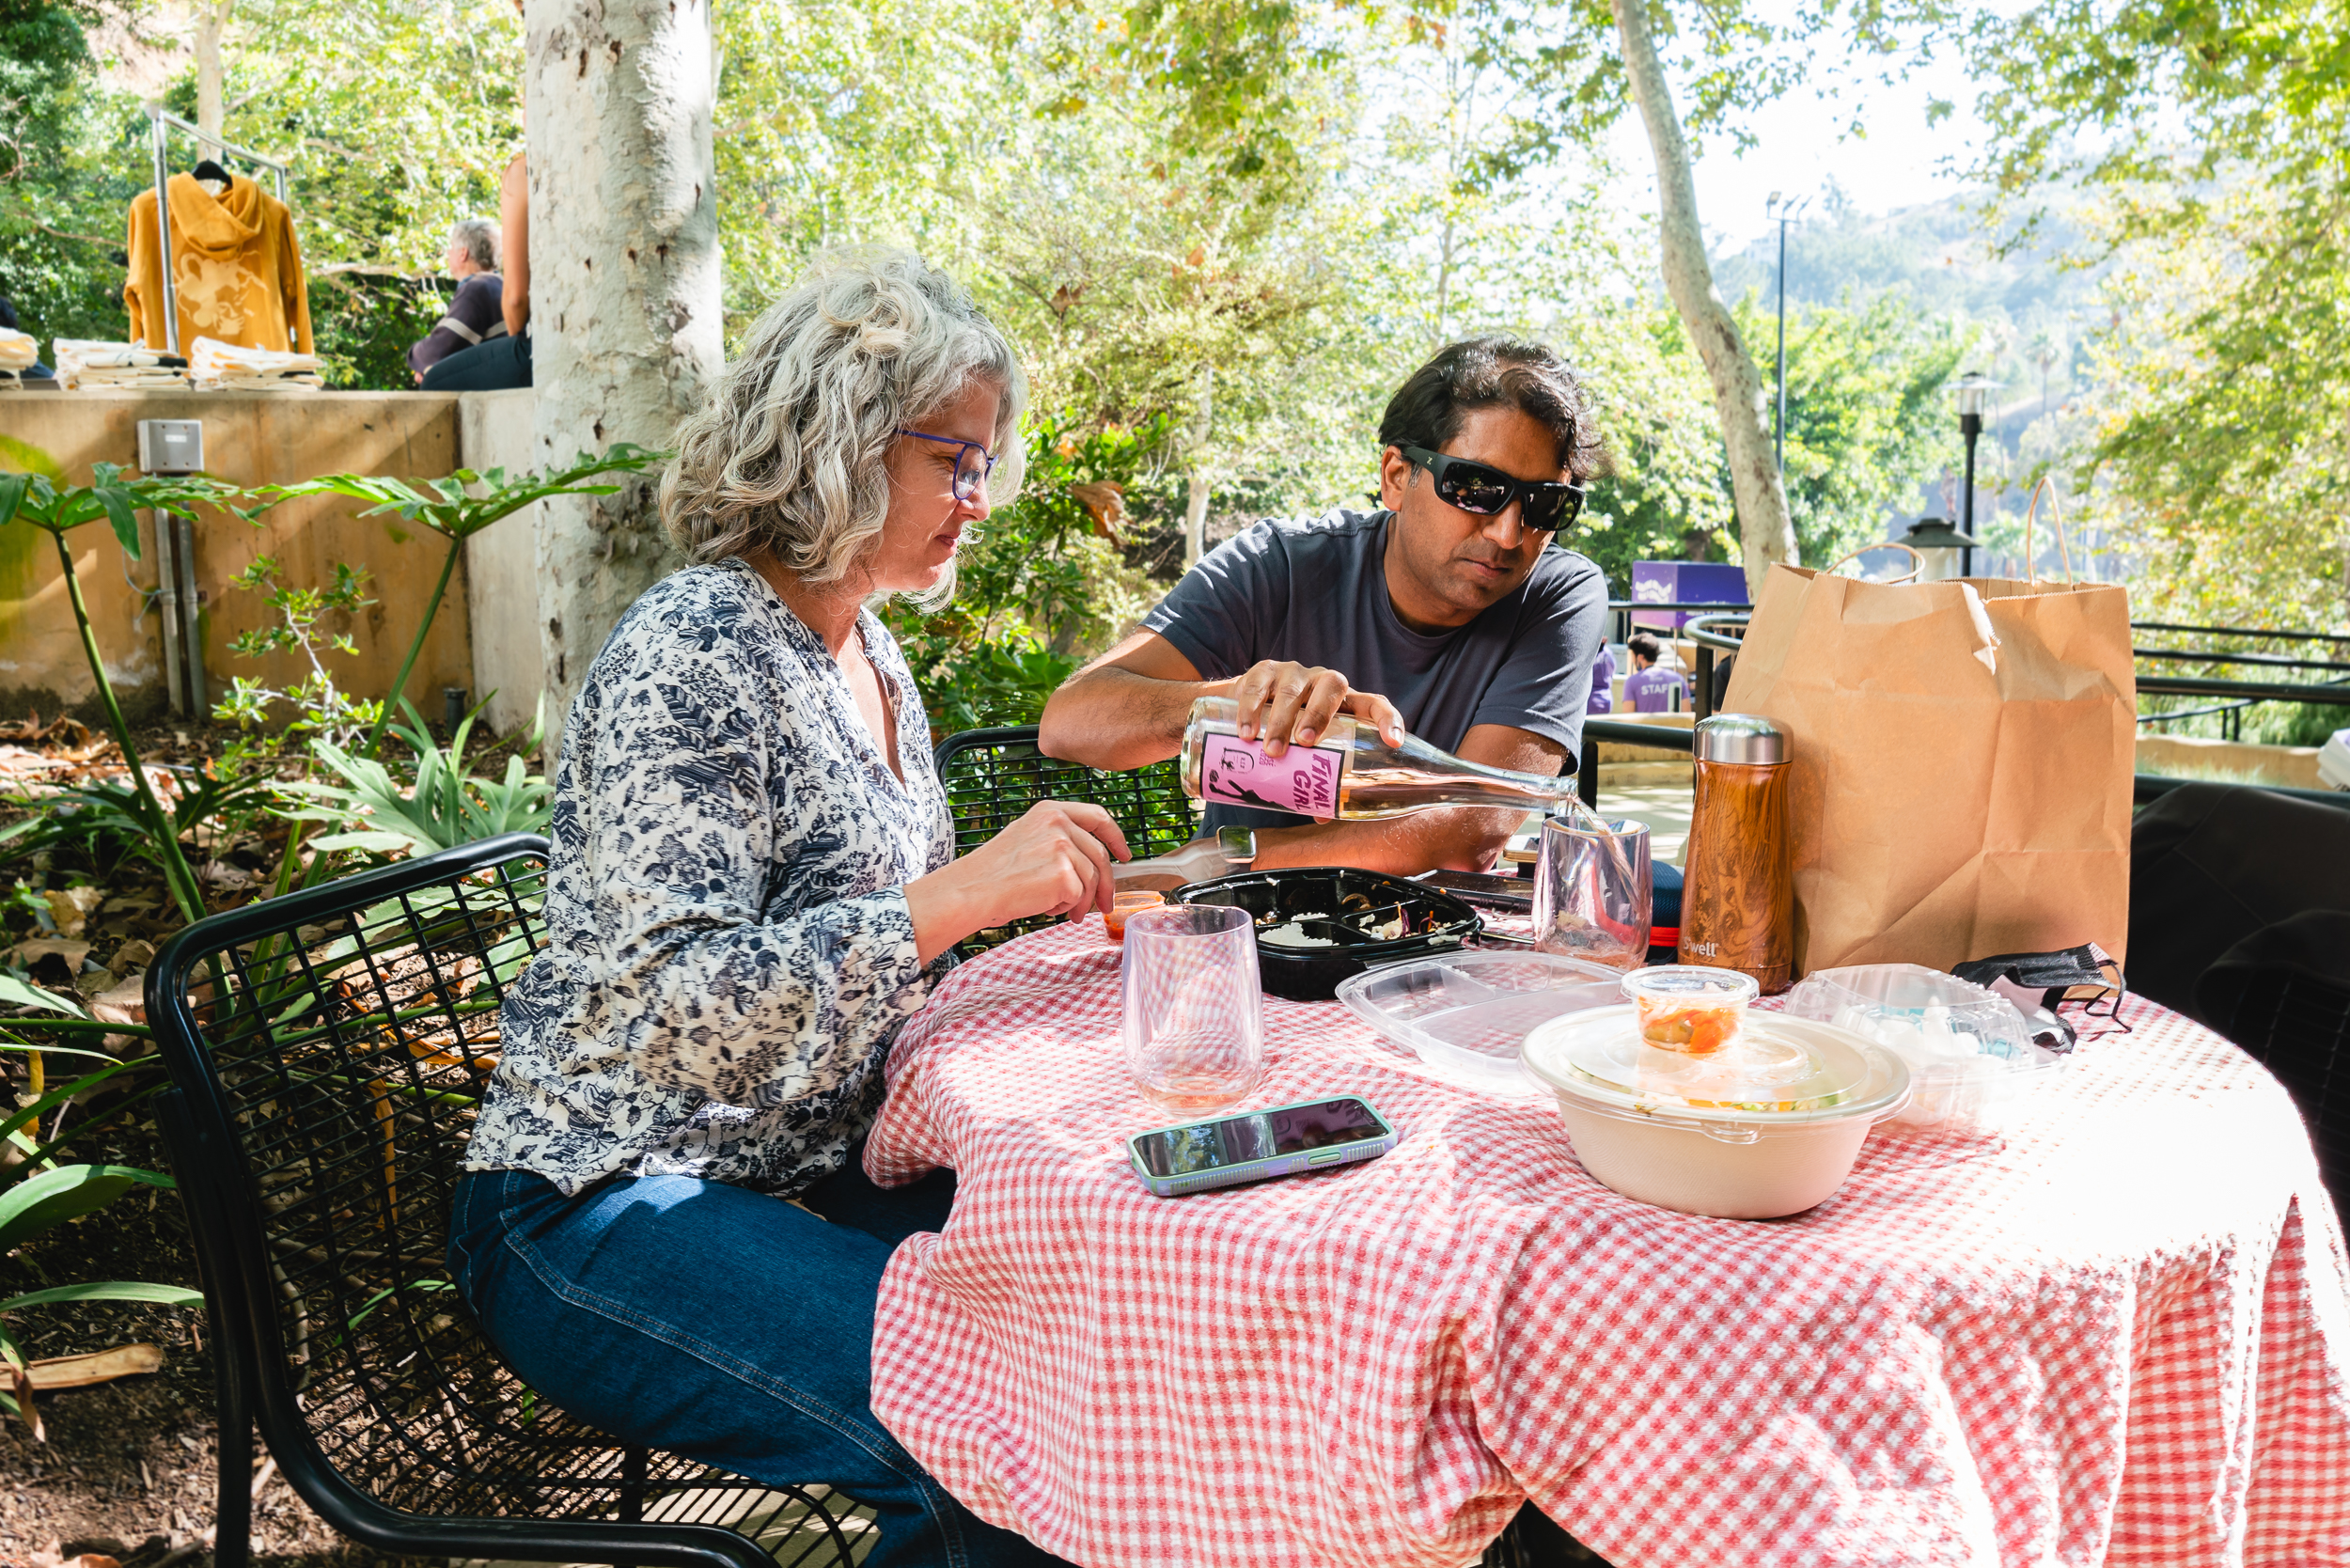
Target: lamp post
x=1940, y=549
x=1782, y=211
x=1973, y=391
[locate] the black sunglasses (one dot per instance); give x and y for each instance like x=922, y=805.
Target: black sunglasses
x=1546, y=506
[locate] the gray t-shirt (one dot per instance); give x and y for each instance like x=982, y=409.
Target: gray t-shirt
x=1314, y=589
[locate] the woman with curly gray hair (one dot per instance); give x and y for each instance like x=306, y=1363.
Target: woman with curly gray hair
x=753, y=885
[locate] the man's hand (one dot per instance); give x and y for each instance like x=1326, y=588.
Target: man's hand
x=1292, y=703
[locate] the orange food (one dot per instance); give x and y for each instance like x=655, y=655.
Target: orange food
x=1126, y=904
x=1696, y=1031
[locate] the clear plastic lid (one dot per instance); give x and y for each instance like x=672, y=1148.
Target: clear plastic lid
x=1969, y=1050
x=1784, y=1071
x=1466, y=1016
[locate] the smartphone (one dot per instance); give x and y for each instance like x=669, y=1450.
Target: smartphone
x=1259, y=1145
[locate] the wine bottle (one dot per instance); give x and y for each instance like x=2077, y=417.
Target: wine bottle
x=1350, y=772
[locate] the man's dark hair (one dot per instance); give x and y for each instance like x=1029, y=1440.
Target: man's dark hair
x=1644, y=646
x=1494, y=373
x=7, y=313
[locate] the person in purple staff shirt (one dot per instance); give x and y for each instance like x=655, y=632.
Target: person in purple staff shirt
x=1653, y=690
x=1603, y=699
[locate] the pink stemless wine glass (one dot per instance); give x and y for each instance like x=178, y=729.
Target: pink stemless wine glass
x=1193, y=1015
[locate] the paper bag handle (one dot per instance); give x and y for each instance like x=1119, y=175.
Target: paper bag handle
x=2055, y=518
x=1917, y=562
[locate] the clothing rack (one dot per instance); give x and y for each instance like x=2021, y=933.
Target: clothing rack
x=162, y=123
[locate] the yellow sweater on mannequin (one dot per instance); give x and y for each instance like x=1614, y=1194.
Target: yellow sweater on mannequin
x=234, y=262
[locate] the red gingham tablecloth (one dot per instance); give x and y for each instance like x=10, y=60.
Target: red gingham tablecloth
x=2117, y=1335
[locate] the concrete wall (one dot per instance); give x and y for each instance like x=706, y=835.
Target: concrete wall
x=495, y=430
x=252, y=439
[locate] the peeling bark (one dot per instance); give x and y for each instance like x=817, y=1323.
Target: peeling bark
x=624, y=308
x=1767, y=533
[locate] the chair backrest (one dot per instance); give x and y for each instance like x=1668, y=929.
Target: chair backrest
x=328, y=1050
x=993, y=777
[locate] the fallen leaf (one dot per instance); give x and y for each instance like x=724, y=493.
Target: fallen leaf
x=98, y=1366
x=71, y=908
x=28, y=953
x=21, y=1386
x=124, y=1002
x=90, y=983
x=138, y=953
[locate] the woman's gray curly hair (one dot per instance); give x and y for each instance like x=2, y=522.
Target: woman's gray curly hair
x=787, y=454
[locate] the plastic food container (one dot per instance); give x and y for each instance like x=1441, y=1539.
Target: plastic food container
x=1705, y=1137
x=1466, y=1016
x=1317, y=925
x=1689, y=1008
x=1972, y=1061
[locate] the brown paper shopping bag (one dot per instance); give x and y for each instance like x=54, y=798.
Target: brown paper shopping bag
x=1961, y=756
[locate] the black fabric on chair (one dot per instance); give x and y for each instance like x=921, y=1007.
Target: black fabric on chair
x=2211, y=864
x=327, y=1051
x=2283, y=993
x=993, y=777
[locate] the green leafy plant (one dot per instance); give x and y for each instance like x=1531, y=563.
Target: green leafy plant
x=440, y=808
x=42, y=500
x=37, y=1194
x=320, y=707
x=451, y=508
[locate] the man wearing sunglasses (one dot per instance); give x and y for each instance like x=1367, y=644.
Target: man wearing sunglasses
x=1446, y=612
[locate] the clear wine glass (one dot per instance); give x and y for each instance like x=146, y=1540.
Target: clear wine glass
x=1592, y=896
x=1193, y=1013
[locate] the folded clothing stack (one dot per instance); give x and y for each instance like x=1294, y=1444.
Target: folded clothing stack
x=233, y=367
x=84, y=362
x=18, y=351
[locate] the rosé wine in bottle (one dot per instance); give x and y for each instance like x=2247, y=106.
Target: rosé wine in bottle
x=1351, y=772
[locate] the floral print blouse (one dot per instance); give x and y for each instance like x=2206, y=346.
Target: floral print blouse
x=728, y=949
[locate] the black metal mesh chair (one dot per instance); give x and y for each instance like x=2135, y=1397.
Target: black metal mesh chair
x=2284, y=996
x=994, y=775
x=327, y=1052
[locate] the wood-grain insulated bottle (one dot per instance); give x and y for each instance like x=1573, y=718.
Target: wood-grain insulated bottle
x=1738, y=906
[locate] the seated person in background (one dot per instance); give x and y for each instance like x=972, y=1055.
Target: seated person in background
x=36, y=371
x=501, y=361
x=1603, y=682
x=1447, y=613
x=472, y=316
x=1649, y=689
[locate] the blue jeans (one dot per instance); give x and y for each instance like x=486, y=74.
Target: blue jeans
x=722, y=1324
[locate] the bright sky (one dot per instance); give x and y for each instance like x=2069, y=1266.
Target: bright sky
x=1800, y=145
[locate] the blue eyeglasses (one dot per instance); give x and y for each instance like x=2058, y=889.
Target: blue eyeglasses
x=972, y=463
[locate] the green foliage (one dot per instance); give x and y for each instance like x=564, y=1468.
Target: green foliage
x=440, y=808
x=2203, y=146
x=451, y=508
x=320, y=707
x=38, y=498
x=1867, y=422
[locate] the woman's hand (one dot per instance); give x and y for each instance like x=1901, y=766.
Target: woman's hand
x=1292, y=703
x=1055, y=860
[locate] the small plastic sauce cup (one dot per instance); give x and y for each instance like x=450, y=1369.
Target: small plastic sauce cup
x=1123, y=905
x=1689, y=1009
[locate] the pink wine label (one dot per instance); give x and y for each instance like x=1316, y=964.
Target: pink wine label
x=1303, y=778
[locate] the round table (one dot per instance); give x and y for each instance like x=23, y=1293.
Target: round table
x=2116, y=1335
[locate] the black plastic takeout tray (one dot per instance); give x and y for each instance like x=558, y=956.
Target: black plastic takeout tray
x=1438, y=922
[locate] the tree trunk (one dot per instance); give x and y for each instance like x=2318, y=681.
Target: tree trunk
x=624, y=298
x=212, y=21
x=1765, y=531
x=1196, y=504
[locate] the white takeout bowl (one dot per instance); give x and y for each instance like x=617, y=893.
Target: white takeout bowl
x=1730, y=1162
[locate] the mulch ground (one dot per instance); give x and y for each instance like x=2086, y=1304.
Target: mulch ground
x=126, y=1470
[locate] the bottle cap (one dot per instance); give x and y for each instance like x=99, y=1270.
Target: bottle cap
x=1740, y=738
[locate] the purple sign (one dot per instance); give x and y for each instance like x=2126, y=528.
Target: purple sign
x=1683, y=583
